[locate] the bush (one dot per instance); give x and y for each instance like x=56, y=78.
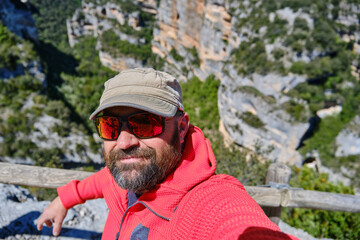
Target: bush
x=196, y=60
x=296, y=110
x=13, y=50
x=177, y=57
x=200, y=101
x=254, y=91
x=320, y=223
x=278, y=53
x=50, y=19
x=112, y=44
x=301, y=24
x=251, y=57
x=251, y=119
x=248, y=167
x=57, y=109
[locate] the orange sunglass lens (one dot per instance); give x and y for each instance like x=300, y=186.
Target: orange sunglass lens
x=108, y=127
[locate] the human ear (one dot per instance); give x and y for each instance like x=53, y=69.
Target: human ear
x=183, y=126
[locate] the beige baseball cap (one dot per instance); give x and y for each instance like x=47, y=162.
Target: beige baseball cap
x=143, y=88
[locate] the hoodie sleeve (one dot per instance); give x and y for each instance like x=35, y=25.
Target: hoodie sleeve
x=77, y=192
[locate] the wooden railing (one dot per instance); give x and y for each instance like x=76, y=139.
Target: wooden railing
x=271, y=199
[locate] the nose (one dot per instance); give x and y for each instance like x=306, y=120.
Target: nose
x=126, y=139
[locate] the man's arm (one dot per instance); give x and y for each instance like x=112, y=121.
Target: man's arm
x=53, y=215
x=73, y=193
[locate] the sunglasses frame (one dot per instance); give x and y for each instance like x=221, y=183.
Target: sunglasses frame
x=126, y=119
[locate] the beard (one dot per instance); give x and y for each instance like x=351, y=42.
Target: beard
x=151, y=170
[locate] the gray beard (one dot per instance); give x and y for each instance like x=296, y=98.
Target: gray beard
x=145, y=175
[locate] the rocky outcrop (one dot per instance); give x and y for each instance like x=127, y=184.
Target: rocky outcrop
x=118, y=64
x=20, y=211
x=334, y=110
x=201, y=25
x=75, y=147
x=93, y=20
x=348, y=140
x=252, y=114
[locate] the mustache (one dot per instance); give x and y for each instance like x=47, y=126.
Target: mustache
x=119, y=154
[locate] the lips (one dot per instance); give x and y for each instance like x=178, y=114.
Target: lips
x=131, y=159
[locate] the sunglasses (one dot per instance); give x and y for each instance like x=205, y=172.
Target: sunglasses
x=142, y=125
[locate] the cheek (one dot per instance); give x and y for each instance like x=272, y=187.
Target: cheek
x=107, y=146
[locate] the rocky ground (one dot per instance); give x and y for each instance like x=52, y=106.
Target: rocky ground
x=20, y=211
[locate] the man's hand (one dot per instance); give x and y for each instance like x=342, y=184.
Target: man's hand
x=53, y=214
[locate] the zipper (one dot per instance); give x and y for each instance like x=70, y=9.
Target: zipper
x=146, y=206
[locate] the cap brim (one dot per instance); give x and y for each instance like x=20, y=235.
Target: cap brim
x=146, y=103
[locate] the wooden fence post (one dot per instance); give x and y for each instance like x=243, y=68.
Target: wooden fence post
x=278, y=173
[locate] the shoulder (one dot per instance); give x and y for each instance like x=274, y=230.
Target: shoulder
x=219, y=189
x=219, y=206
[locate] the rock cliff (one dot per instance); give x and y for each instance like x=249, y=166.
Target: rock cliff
x=256, y=118
x=201, y=25
x=199, y=36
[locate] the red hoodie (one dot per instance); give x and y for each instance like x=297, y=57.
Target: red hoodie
x=192, y=203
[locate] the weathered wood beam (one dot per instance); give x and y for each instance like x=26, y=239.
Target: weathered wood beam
x=38, y=176
x=299, y=198
x=323, y=200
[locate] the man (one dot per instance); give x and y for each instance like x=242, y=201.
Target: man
x=159, y=181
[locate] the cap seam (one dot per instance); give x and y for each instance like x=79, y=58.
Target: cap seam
x=148, y=95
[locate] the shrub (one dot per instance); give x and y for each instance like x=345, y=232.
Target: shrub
x=200, y=101
x=57, y=109
x=251, y=119
x=296, y=110
x=278, y=53
x=177, y=57
x=248, y=167
x=301, y=24
x=196, y=61
x=254, y=91
x=320, y=223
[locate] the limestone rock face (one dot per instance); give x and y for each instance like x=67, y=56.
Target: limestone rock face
x=75, y=147
x=253, y=116
x=348, y=140
x=70, y=144
x=202, y=25
x=93, y=20
x=118, y=64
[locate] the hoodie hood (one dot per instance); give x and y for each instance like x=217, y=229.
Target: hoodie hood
x=197, y=165
x=197, y=162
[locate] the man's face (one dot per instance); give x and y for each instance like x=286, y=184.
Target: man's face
x=138, y=165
